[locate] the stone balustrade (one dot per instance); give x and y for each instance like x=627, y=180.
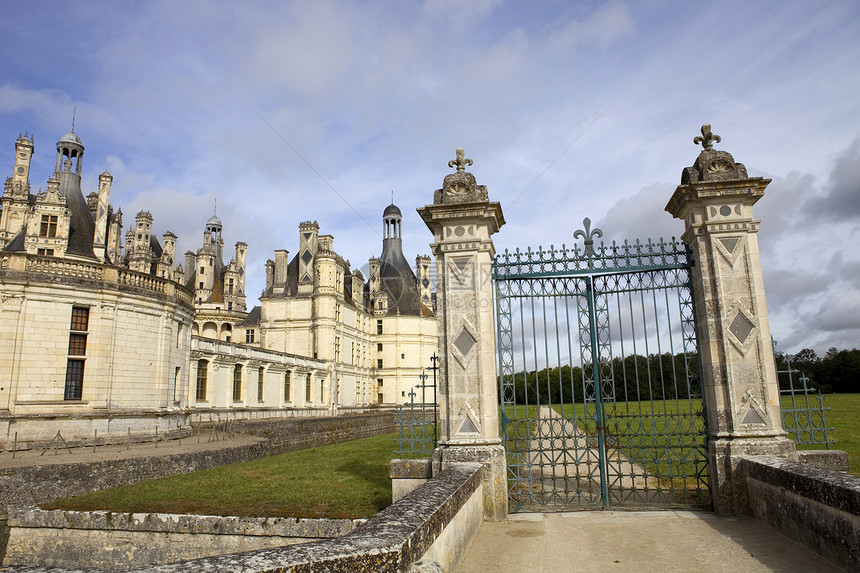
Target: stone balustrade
x=70, y=269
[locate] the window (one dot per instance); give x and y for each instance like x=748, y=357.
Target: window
x=74, y=379
x=308, y=389
x=379, y=381
x=379, y=362
x=378, y=327
x=229, y=286
x=379, y=398
x=249, y=336
x=80, y=319
x=402, y=357
x=237, y=383
x=45, y=252
x=229, y=306
x=202, y=269
x=77, y=351
x=77, y=344
x=202, y=373
x=200, y=284
x=287, y=389
x=260, y=384
x=379, y=346
x=322, y=390
x=48, y=228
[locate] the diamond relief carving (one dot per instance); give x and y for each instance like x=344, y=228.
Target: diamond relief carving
x=465, y=342
x=741, y=327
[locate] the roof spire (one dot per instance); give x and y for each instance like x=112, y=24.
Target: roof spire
x=74, y=112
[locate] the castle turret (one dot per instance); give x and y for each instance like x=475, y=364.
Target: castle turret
x=308, y=232
x=422, y=271
x=139, y=258
x=15, y=197
x=100, y=232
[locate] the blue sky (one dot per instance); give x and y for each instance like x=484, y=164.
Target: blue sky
x=289, y=111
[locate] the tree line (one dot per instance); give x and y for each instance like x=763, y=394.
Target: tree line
x=636, y=377
x=836, y=371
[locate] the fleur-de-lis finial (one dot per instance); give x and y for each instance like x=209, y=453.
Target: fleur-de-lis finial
x=588, y=235
x=707, y=138
x=461, y=162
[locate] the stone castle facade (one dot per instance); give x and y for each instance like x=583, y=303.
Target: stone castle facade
x=91, y=339
x=121, y=341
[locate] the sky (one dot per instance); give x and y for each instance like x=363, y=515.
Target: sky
x=282, y=112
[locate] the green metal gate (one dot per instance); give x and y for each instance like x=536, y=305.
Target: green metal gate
x=599, y=376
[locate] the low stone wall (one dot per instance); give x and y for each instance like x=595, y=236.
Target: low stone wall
x=435, y=522
x=28, y=486
x=120, y=541
x=817, y=507
x=290, y=434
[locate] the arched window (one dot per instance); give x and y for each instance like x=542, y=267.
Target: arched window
x=202, y=374
x=237, y=383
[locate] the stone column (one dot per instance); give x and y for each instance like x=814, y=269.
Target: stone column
x=739, y=381
x=462, y=220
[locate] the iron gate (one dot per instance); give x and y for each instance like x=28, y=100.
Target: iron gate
x=599, y=376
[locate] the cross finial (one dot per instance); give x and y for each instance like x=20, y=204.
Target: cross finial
x=461, y=162
x=707, y=138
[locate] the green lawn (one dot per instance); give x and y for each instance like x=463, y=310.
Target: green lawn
x=347, y=480
x=844, y=417
x=351, y=479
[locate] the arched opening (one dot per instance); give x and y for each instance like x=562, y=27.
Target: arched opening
x=210, y=330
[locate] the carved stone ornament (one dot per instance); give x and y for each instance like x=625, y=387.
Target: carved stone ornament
x=460, y=187
x=712, y=164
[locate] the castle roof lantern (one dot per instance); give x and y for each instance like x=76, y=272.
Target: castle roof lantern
x=213, y=221
x=71, y=137
x=392, y=210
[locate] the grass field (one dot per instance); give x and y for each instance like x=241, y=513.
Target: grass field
x=351, y=479
x=844, y=417
x=348, y=480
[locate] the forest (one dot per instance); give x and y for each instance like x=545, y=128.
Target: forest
x=669, y=377
x=838, y=371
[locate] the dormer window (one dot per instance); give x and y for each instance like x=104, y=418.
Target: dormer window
x=48, y=228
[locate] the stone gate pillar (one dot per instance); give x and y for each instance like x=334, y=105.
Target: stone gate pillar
x=739, y=381
x=462, y=220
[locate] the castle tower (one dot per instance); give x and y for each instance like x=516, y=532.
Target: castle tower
x=241, y=259
x=15, y=197
x=213, y=228
x=23, y=154
x=308, y=233
x=114, y=240
x=101, y=216
x=422, y=271
x=165, y=263
x=138, y=253
x=396, y=279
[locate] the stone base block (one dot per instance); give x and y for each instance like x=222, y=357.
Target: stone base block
x=835, y=460
x=729, y=492
x=407, y=475
x=495, y=483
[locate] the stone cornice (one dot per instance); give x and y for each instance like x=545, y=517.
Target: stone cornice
x=748, y=191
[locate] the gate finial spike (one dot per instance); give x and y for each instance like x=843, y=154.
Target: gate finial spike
x=588, y=236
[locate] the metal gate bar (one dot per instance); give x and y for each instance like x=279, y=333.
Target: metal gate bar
x=616, y=418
